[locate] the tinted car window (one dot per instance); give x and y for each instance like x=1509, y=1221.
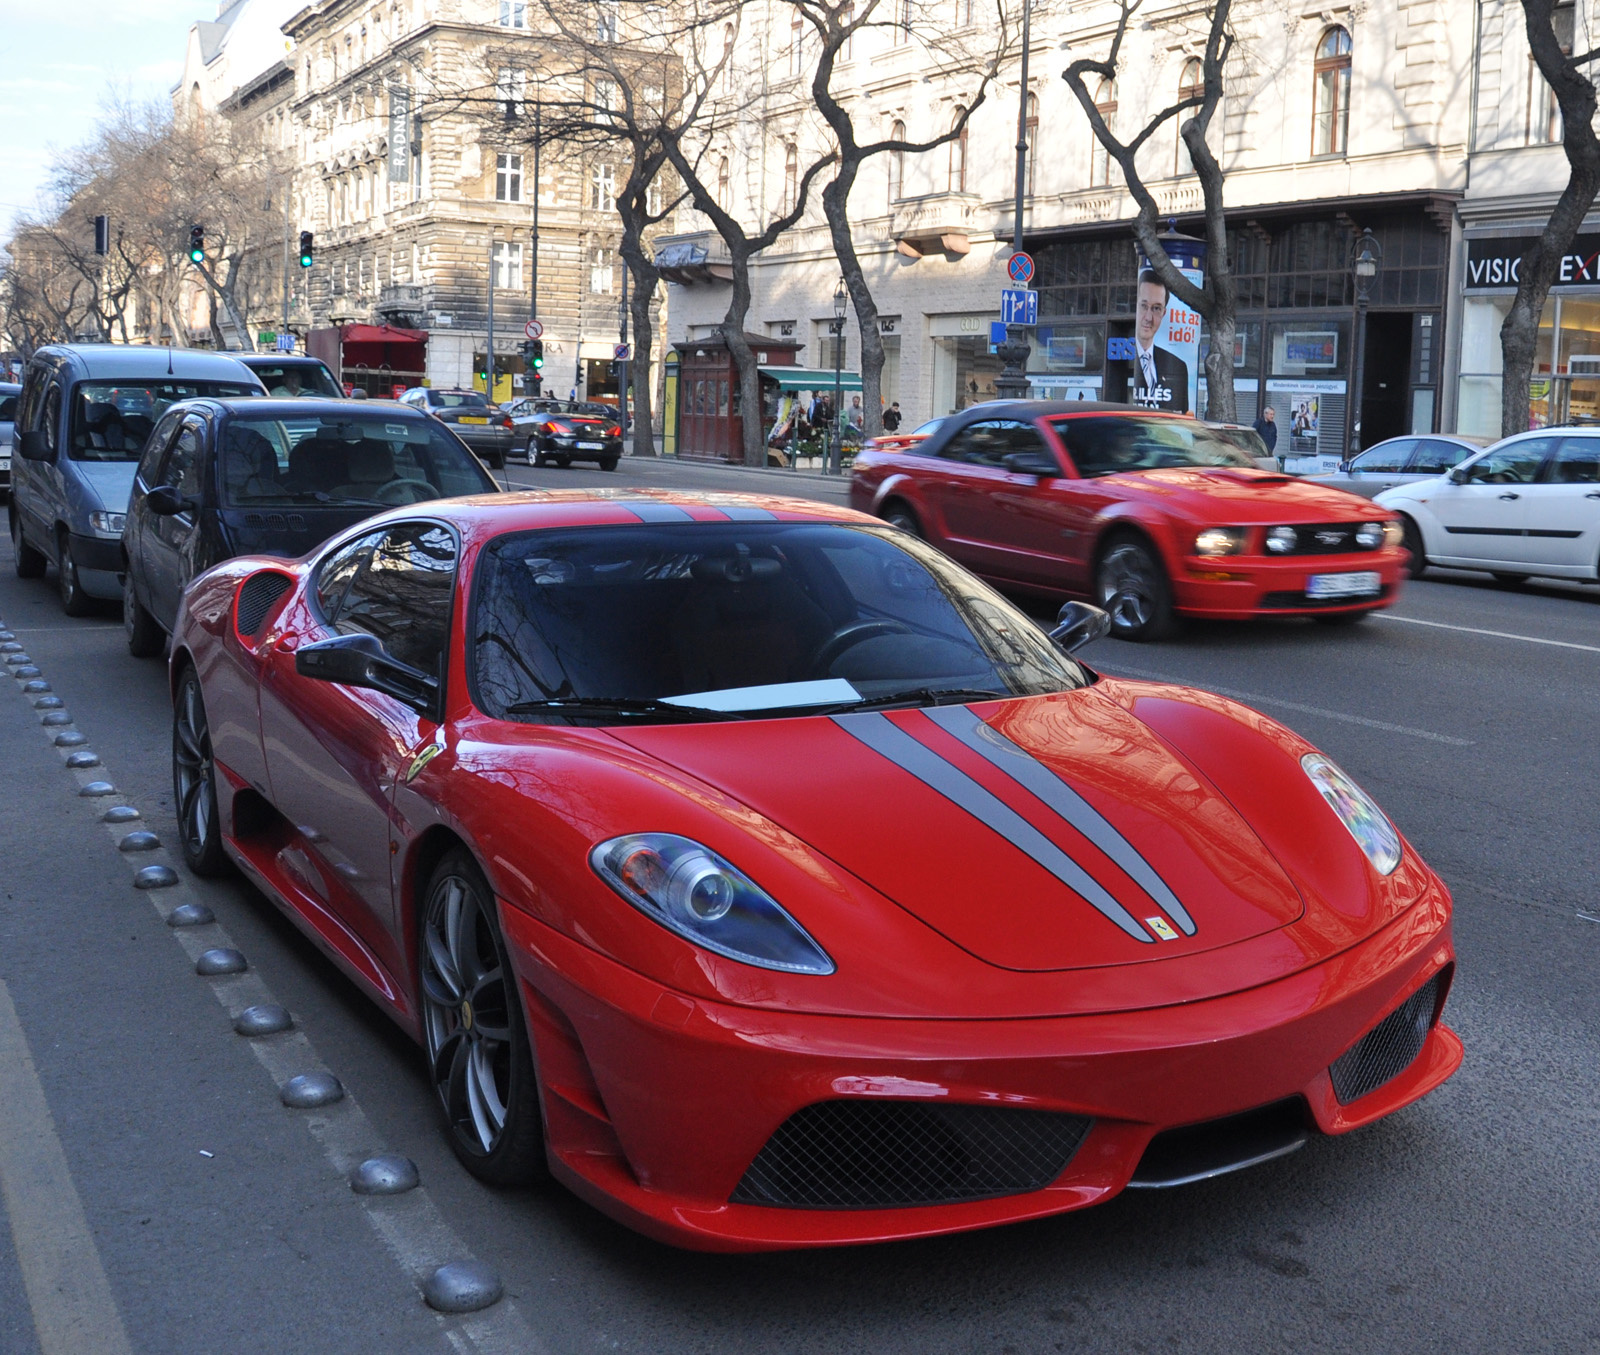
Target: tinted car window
x=111, y=420
x=183, y=464
x=343, y=457
x=980, y=444
x=455, y=399
x=402, y=594
x=50, y=416
x=294, y=380
x=1516, y=464
x=1435, y=456
x=156, y=446
x=1104, y=446
x=333, y=578
x=660, y=611
x=1577, y=463
x=8, y=408
x=1389, y=459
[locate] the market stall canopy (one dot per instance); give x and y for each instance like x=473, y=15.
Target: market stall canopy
x=811, y=379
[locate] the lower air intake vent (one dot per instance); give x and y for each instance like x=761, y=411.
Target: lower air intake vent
x=889, y=1154
x=257, y=595
x=1388, y=1049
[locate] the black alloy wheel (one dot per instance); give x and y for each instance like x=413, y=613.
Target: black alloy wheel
x=1132, y=587
x=1411, y=540
x=897, y=514
x=473, y=1031
x=146, y=639
x=74, y=601
x=30, y=563
x=194, y=780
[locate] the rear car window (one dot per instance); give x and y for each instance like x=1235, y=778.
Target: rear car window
x=457, y=399
x=112, y=419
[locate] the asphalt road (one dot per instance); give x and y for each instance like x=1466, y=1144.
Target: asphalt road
x=159, y=1198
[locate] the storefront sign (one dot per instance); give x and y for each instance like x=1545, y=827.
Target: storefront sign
x=1311, y=347
x=1494, y=264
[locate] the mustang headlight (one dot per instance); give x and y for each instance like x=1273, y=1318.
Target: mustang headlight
x=1357, y=810
x=1219, y=541
x=1282, y=540
x=1369, y=535
x=108, y=524
x=691, y=890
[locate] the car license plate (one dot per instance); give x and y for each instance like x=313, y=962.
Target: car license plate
x=591, y=446
x=472, y=418
x=1363, y=584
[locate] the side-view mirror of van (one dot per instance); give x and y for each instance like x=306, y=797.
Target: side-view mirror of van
x=31, y=446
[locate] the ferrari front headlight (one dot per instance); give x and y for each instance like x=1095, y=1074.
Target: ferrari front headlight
x=1357, y=810
x=692, y=891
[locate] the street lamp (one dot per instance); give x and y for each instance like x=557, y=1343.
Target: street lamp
x=1366, y=262
x=1012, y=384
x=841, y=302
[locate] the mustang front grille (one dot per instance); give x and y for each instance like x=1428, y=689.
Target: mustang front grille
x=1329, y=538
x=863, y=1154
x=1389, y=1048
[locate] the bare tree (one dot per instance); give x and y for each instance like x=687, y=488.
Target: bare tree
x=1218, y=299
x=1575, y=96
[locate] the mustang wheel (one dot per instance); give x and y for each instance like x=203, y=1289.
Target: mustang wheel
x=30, y=562
x=898, y=515
x=74, y=601
x=1133, y=588
x=473, y=1030
x=194, y=781
x=146, y=639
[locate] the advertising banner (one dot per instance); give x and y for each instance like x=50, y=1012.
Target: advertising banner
x=399, y=134
x=1166, y=337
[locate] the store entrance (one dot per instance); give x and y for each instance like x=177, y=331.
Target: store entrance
x=1386, y=367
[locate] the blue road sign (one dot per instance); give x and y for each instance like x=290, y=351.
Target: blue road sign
x=997, y=332
x=1019, y=268
x=1019, y=306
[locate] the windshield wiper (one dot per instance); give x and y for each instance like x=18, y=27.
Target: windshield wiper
x=927, y=696
x=606, y=705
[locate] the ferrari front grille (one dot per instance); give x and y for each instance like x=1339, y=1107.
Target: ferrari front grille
x=257, y=595
x=864, y=1154
x=1389, y=1048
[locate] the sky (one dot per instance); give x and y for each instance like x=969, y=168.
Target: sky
x=62, y=61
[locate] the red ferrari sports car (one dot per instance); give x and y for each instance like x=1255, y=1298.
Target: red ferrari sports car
x=1154, y=515
x=773, y=882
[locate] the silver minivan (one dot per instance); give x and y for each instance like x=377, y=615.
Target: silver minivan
x=82, y=420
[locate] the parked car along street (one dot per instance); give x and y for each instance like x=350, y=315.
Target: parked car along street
x=82, y=420
x=1399, y=461
x=292, y=378
x=228, y=477
x=9, y=391
x=1529, y=505
x=559, y=432
x=483, y=426
x=1151, y=514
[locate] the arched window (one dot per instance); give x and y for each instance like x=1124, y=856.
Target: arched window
x=1191, y=85
x=1105, y=103
x=1030, y=134
x=958, y=153
x=791, y=178
x=897, y=164
x=723, y=186
x=1330, y=112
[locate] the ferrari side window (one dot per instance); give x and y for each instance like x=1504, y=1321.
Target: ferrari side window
x=403, y=594
x=333, y=579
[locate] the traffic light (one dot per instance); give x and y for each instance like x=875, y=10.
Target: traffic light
x=197, y=244
x=307, y=250
x=537, y=362
x=102, y=235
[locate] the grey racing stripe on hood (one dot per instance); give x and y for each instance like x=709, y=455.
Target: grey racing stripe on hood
x=1032, y=775
x=879, y=733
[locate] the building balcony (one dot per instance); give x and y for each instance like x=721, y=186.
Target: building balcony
x=937, y=223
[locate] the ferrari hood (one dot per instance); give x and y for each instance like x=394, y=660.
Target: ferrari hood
x=1045, y=833
x=1241, y=496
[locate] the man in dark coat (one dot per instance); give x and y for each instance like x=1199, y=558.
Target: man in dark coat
x=1267, y=425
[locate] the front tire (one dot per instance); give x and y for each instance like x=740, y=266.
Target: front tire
x=473, y=1031
x=1132, y=587
x=146, y=639
x=900, y=515
x=30, y=563
x=1411, y=540
x=608, y=463
x=74, y=601
x=194, y=781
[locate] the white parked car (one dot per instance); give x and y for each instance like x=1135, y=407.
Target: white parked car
x=1529, y=505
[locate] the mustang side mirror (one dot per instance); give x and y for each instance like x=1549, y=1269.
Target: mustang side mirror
x=1077, y=623
x=360, y=660
x=1031, y=463
x=165, y=501
x=31, y=446
x=1459, y=475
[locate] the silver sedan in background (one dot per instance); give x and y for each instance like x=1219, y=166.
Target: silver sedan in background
x=1399, y=461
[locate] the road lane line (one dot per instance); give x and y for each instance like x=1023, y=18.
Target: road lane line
x=1497, y=634
x=1257, y=699
x=74, y=1312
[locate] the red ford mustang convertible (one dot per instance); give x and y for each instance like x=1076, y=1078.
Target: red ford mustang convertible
x=773, y=882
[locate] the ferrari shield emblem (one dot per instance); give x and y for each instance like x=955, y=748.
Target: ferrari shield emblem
x=1162, y=928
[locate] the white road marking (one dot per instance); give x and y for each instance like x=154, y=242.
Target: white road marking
x=74, y=1312
x=1497, y=634
x=1257, y=699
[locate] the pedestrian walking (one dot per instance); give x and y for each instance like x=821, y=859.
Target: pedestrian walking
x=1267, y=425
x=891, y=418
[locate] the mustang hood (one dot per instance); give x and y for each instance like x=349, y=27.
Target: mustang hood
x=1044, y=833
x=1243, y=496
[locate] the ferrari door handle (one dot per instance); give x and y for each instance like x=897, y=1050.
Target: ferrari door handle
x=1511, y=496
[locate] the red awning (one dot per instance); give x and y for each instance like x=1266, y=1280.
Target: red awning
x=382, y=334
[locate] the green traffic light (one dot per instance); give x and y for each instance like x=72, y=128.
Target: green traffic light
x=305, y=261
x=197, y=256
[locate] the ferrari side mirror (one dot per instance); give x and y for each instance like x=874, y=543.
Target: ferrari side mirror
x=360, y=660
x=1077, y=624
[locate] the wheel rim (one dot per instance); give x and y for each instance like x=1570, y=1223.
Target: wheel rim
x=1127, y=591
x=466, y=1014
x=129, y=607
x=192, y=768
x=68, y=572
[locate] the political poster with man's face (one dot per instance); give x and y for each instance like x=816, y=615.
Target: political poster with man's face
x=1162, y=322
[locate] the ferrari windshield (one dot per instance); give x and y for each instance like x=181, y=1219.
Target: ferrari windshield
x=344, y=458
x=696, y=620
x=1104, y=445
